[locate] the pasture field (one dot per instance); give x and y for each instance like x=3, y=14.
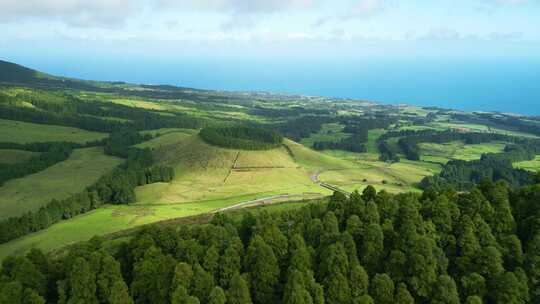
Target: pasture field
x=12, y=156
x=531, y=165
x=205, y=172
x=171, y=137
x=479, y=128
x=442, y=153
x=168, y=107
x=198, y=188
x=373, y=136
x=81, y=169
x=114, y=218
x=332, y=132
x=396, y=177
x=24, y=132
x=164, y=131
x=313, y=160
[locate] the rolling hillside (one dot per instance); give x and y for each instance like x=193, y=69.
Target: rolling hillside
x=166, y=120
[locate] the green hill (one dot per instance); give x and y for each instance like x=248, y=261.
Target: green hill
x=11, y=72
x=206, y=172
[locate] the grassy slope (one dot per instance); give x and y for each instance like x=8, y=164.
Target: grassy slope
x=373, y=136
x=442, y=153
x=397, y=177
x=166, y=137
x=23, y=132
x=478, y=128
x=531, y=165
x=202, y=169
x=59, y=181
x=118, y=218
x=205, y=172
x=12, y=156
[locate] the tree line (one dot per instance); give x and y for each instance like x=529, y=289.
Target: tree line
x=481, y=246
x=117, y=187
x=386, y=153
x=241, y=137
x=463, y=175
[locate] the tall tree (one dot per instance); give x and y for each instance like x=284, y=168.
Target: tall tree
x=111, y=287
x=337, y=289
x=217, y=296
x=82, y=283
x=263, y=269
x=359, y=280
x=403, y=296
x=183, y=275
x=211, y=261
x=203, y=282
x=295, y=290
x=152, y=277
x=229, y=265
x=445, y=291
x=382, y=289
x=238, y=292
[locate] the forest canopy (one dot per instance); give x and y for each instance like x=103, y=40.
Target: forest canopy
x=241, y=137
x=480, y=246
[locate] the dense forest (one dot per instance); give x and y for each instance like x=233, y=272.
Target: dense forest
x=241, y=137
x=481, y=246
x=117, y=187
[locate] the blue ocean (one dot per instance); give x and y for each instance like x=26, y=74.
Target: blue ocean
x=506, y=85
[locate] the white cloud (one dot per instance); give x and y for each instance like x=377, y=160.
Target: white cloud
x=365, y=8
x=359, y=9
x=237, y=6
x=511, y=2
x=82, y=13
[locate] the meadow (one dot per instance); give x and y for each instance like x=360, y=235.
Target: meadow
x=13, y=156
x=531, y=165
x=80, y=170
x=115, y=218
x=332, y=132
x=442, y=153
x=24, y=132
x=205, y=172
x=472, y=127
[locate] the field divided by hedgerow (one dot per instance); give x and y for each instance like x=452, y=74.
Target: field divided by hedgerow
x=81, y=169
x=206, y=172
x=442, y=153
x=110, y=219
